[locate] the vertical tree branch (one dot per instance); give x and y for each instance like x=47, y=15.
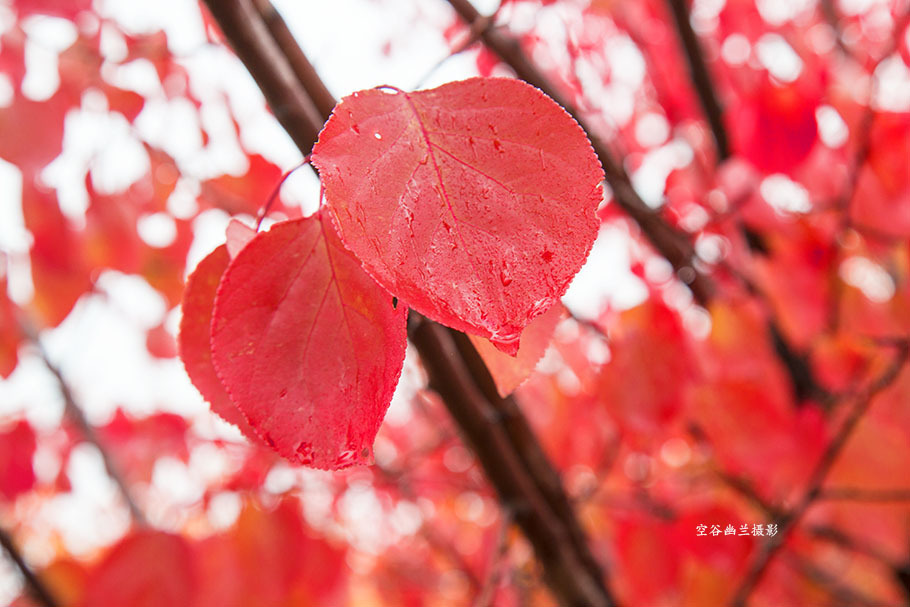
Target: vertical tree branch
x=701, y=77
x=264, y=59
x=542, y=472
x=306, y=74
x=39, y=591
x=802, y=381
x=564, y=567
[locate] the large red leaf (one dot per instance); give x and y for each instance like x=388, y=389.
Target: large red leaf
x=473, y=202
x=194, y=340
x=307, y=345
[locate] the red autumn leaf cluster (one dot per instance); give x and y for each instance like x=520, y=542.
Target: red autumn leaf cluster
x=733, y=360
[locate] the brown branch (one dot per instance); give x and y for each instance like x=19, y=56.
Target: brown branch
x=802, y=380
x=760, y=564
x=263, y=57
x=304, y=71
x=564, y=568
x=902, y=577
x=567, y=563
x=701, y=77
x=832, y=17
x=522, y=437
x=36, y=587
x=77, y=416
x=671, y=244
x=840, y=538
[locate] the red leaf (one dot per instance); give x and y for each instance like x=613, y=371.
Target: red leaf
x=238, y=234
x=883, y=187
x=643, y=383
x=509, y=372
x=59, y=271
x=45, y=140
x=775, y=128
x=243, y=193
x=307, y=345
x=17, y=446
x=146, y=569
x=271, y=557
x=194, y=340
x=137, y=443
x=160, y=343
x=473, y=202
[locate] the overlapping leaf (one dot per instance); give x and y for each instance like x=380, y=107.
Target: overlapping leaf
x=308, y=347
x=194, y=340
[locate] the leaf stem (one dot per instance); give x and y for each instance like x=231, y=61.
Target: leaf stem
x=264, y=210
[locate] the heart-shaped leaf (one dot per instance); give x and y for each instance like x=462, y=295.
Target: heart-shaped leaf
x=473, y=202
x=307, y=345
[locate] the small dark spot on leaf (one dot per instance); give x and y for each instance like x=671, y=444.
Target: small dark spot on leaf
x=394, y=303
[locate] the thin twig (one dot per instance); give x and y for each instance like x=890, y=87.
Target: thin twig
x=36, y=587
x=760, y=564
x=701, y=77
x=843, y=594
x=77, y=416
x=475, y=29
x=840, y=538
x=856, y=494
